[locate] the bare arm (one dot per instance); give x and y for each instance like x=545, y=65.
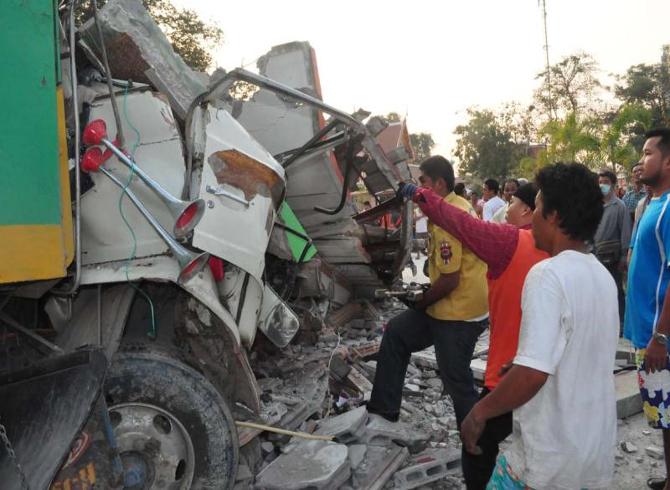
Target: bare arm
x=517, y=387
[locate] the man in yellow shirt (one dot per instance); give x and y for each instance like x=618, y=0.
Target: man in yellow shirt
x=451, y=315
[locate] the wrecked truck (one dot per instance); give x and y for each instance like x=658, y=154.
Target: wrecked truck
x=151, y=226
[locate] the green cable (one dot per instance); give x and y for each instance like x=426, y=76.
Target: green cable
x=152, y=333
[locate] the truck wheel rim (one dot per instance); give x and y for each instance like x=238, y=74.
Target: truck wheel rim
x=156, y=449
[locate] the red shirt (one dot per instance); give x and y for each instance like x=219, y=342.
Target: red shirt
x=509, y=253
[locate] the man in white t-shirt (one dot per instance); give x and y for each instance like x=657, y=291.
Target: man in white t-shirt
x=560, y=385
x=493, y=202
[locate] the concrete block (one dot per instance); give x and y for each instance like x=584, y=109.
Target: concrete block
x=317, y=465
x=378, y=467
x=357, y=454
x=425, y=359
x=655, y=452
x=381, y=432
x=478, y=367
x=140, y=51
x=345, y=428
x=628, y=447
x=628, y=400
x=429, y=466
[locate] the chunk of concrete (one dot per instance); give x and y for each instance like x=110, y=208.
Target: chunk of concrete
x=429, y=466
x=382, y=432
x=318, y=465
x=378, y=467
x=655, y=452
x=357, y=455
x=628, y=400
x=345, y=428
x=138, y=50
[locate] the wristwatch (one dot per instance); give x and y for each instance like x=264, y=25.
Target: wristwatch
x=661, y=338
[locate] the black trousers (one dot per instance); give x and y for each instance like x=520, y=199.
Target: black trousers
x=477, y=470
x=621, y=298
x=412, y=331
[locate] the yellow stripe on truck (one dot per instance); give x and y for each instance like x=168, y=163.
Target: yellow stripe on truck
x=32, y=252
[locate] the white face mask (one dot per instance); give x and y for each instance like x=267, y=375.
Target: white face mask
x=605, y=189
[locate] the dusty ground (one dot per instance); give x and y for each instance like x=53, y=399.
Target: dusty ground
x=634, y=468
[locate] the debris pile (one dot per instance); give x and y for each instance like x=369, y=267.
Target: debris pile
x=318, y=387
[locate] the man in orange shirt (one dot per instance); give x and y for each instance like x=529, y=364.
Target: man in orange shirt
x=509, y=251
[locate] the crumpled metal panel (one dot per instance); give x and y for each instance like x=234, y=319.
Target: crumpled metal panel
x=238, y=221
x=159, y=154
x=281, y=123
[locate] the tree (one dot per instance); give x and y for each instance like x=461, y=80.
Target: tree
x=649, y=86
x=392, y=117
x=190, y=36
x=574, y=83
x=485, y=147
x=572, y=139
x=422, y=144
x=622, y=141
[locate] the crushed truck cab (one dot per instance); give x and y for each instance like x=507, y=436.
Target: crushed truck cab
x=154, y=221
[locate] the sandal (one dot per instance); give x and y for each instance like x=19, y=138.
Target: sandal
x=656, y=483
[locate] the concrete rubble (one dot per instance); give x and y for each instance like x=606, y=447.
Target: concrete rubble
x=311, y=464
x=309, y=387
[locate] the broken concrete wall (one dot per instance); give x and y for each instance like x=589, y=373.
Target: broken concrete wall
x=316, y=179
x=138, y=50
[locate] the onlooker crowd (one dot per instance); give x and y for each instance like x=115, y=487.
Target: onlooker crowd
x=543, y=267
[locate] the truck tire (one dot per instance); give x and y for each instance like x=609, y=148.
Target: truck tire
x=173, y=428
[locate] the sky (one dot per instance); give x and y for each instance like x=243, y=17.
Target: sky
x=431, y=60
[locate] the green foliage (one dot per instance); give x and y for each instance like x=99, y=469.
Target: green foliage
x=190, y=36
x=571, y=85
x=649, y=86
x=568, y=121
x=422, y=144
x=572, y=139
x=486, y=147
x=622, y=140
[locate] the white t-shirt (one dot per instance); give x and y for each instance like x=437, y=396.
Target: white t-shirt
x=491, y=206
x=565, y=436
x=499, y=216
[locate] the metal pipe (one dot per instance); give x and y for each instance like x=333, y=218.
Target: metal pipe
x=190, y=262
x=273, y=86
x=13, y=324
x=108, y=75
x=320, y=134
x=77, y=157
x=141, y=208
x=345, y=183
x=168, y=198
x=100, y=315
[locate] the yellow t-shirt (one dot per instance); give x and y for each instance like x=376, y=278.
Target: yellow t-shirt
x=469, y=301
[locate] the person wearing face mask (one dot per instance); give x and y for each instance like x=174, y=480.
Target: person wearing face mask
x=613, y=234
x=509, y=251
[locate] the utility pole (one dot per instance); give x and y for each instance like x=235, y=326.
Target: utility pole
x=552, y=108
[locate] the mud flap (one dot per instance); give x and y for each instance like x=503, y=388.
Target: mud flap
x=44, y=408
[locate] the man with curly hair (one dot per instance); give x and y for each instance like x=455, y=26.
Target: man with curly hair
x=647, y=321
x=560, y=386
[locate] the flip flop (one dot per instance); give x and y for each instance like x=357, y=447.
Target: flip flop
x=656, y=483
